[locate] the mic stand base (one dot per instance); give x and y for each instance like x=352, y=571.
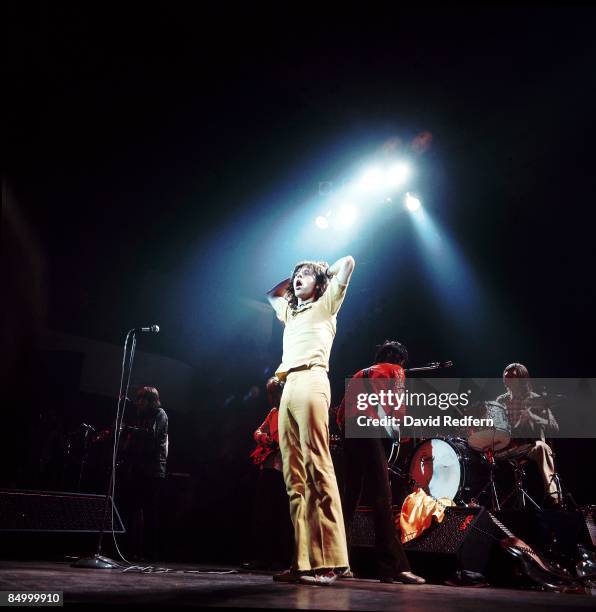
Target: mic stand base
x=96, y=562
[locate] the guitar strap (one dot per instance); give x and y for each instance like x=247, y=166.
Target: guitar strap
x=394, y=436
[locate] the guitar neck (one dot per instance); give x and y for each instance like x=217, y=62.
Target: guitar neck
x=500, y=525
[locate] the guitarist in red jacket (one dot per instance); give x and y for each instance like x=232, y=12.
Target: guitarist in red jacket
x=267, y=454
x=272, y=528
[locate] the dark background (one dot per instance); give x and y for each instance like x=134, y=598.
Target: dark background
x=151, y=156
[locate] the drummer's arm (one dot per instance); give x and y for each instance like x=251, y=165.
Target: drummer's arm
x=553, y=426
x=550, y=422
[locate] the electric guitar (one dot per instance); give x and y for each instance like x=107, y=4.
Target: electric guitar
x=548, y=575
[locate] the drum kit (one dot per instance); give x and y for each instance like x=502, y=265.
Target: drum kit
x=461, y=468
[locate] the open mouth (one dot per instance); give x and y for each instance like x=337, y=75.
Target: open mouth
x=298, y=284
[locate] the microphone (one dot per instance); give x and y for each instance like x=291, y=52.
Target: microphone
x=153, y=329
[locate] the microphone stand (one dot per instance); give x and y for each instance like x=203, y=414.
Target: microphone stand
x=429, y=367
x=88, y=429
x=98, y=561
x=434, y=365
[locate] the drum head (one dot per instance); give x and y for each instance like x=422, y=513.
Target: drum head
x=435, y=466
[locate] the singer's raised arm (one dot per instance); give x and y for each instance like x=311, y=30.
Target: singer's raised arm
x=343, y=269
x=276, y=297
x=279, y=291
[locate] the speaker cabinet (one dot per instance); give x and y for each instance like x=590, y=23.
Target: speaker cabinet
x=52, y=511
x=463, y=541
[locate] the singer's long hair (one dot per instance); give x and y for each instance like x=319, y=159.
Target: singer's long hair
x=151, y=394
x=319, y=269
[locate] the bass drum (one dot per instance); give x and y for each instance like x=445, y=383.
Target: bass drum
x=448, y=468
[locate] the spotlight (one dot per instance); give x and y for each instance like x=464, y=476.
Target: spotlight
x=413, y=204
x=322, y=222
x=371, y=179
x=347, y=215
x=397, y=174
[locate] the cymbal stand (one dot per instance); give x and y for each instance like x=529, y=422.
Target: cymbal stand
x=490, y=485
x=518, y=490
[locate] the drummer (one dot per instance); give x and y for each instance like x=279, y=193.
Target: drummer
x=529, y=417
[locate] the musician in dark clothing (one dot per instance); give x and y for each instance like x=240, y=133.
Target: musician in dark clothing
x=365, y=460
x=144, y=470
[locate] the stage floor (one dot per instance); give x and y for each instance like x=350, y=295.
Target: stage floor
x=191, y=585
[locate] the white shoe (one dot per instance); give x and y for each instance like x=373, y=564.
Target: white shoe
x=324, y=579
